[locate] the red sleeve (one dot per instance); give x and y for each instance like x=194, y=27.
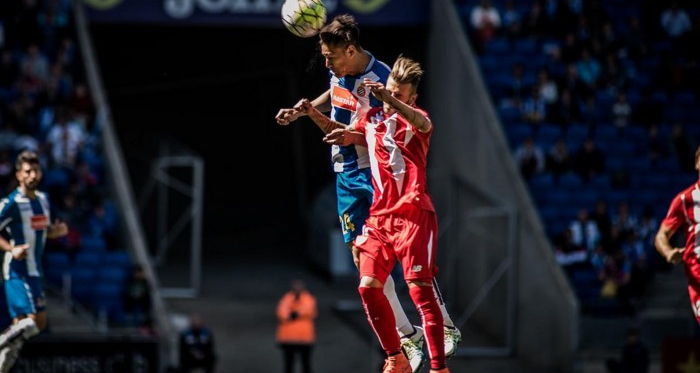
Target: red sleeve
x=675, y=217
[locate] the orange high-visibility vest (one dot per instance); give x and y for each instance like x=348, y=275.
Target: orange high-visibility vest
x=302, y=329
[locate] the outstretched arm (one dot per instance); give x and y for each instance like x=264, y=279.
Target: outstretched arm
x=413, y=116
x=323, y=122
x=288, y=115
x=662, y=241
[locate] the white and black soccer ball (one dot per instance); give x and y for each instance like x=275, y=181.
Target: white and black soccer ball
x=304, y=18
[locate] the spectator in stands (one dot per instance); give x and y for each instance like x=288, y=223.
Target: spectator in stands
x=597, y=16
x=534, y=108
x=573, y=83
x=549, y=91
x=81, y=105
x=6, y=170
x=675, y=21
x=9, y=72
x=35, y=64
x=640, y=271
x=570, y=256
x=624, y=219
x=656, y=146
x=65, y=139
x=569, y=50
x=101, y=222
x=603, y=220
x=647, y=112
x=614, y=78
x=681, y=148
x=535, y=21
x=615, y=276
x=584, y=230
x=559, y=160
x=589, y=69
x=296, y=326
x=197, y=347
x=634, y=356
x=516, y=89
x=589, y=160
x=610, y=43
x=558, y=15
x=621, y=112
x=137, y=299
x=512, y=21
x=69, y=212
x=485, y=20
x=634, y=42
x=530, y=158
x=648, y=224
x=566, y=111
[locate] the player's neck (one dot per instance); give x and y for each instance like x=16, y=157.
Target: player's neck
x=361, y=64
x=29, y=193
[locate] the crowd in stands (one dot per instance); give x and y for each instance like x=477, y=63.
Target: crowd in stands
x=46, y=105
x=599, y=100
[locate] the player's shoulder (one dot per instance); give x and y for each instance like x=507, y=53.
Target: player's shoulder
x=688, y=192
x=377, y=66
x=10, y=200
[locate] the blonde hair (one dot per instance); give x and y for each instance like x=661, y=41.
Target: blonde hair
x=407, y=71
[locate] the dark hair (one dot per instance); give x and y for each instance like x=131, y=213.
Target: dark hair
x=26, y=156
x=342, y=31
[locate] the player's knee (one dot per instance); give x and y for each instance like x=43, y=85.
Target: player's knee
x=370, y=295
x=422, y=282
x=368, y=281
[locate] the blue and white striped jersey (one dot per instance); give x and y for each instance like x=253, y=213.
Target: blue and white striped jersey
x=25, y=220
x=350, y=101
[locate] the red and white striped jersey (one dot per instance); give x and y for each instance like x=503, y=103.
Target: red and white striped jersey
x=398, y=160
x=684, y=213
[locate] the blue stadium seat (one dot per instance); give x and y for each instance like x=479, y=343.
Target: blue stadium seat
x=107, y=299
x=498, y=46
x=82, y=282
x=117, y=258
x=87, y=258
x=93, y=244
x=56, y=264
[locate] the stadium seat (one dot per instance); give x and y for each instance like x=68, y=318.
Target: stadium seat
x=56, y=264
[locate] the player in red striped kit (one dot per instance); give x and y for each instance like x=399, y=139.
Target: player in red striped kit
x=684, y=216
x=402, y=225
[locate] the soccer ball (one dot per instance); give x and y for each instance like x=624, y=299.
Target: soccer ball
x=304, y=18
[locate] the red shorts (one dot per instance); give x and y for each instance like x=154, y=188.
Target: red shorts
x=409, y=237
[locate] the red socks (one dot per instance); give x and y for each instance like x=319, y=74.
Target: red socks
x=381, y=318
x=434, y=331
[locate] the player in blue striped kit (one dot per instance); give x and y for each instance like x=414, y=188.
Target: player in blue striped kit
x=24, y=227
x=348, y=100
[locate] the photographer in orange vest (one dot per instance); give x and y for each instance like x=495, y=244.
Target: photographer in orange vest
x=296, y=330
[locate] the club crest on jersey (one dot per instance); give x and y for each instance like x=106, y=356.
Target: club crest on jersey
x=361, y=91
x=39, y=222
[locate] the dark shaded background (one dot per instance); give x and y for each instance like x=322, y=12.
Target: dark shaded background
x=216, y=91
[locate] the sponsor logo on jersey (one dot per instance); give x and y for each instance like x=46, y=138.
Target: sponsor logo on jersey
x=343, y=99
x=417, y=268
x=39, y=222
